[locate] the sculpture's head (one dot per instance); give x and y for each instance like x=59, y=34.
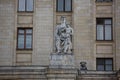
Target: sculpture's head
x=63, y=20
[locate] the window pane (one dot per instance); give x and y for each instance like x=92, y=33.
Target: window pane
x=108, y=32
x=108, y=61
x=100, y=67
x=104, y=64
x=29, y=5
x=21, y=5
x=108, y=21
x=20, y=41
x=60, y=5
x=100, y=21
x=108, y=67
x=103, y=0
x=100, y=32
x=21, y=31
x=68, y=5
x=100, y=61
x=99, y=0
x=28, y=41
x=108, y=0
x=29, y=31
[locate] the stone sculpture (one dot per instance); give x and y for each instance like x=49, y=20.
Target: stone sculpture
x=63, y=35
x=83, y=66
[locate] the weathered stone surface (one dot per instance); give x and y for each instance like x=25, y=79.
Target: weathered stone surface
x=43, y=32
x=61, y=74
x=117, y=32
x=83, y=39
x=43, y=20
x=62, y=60
x=7, y=29
x=23, y=72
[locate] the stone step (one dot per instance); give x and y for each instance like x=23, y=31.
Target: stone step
x=23, y=77
x=33, y=73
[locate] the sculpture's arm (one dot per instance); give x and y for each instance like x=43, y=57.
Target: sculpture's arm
x=71, y=29
x=56, y=31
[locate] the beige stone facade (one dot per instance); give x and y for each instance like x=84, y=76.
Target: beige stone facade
x=43, y=21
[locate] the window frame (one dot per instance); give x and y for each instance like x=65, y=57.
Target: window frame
x=25, y=7
x=63, y=6
x=104, y=29
x=24, y=39
x=104, y=1
x=104, y=59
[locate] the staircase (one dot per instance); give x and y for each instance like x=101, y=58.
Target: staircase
x=23, y=73
x=45, y=73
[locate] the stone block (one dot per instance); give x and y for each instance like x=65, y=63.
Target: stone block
x=105, y=49
x=25, y=19
x=62, y=60
x=24, y=58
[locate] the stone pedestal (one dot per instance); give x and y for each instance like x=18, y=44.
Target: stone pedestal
x=62, y=60
x=62, y=67
x=61, y=74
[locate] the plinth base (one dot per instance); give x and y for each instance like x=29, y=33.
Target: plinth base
x=61, y=74
x=61, y=60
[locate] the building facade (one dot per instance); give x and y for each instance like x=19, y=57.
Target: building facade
x=27, y=34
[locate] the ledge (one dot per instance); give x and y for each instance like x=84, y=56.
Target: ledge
x=104, y=3
x=98, y=73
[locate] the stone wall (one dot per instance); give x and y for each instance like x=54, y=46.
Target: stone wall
x=44, y=19
x=23, y=73
x=7, y=31
x=44, y=73
x=117, y=32
x=83, y=32
x=43, y=32
x=97, y=75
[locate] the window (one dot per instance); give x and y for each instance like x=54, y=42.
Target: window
x=64, y=5
x=104, y=29
x=25, y=5
x=104, y=0
x=24, y=40
x=104, y=64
